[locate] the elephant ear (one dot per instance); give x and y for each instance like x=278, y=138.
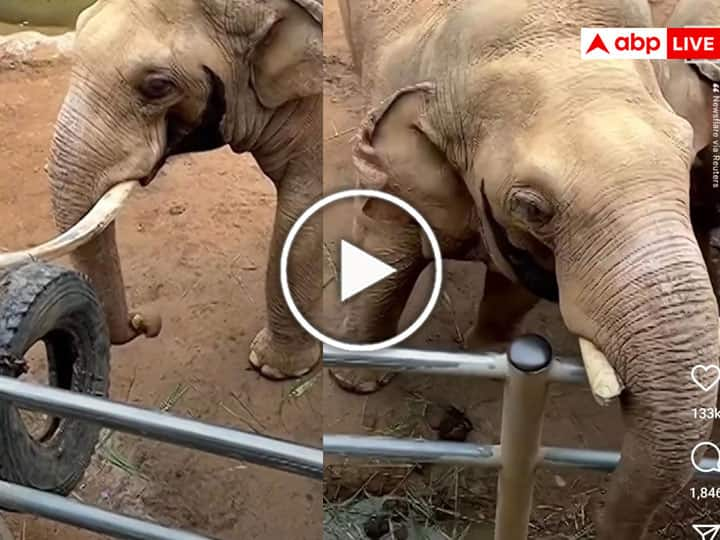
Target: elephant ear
x=391, y=144
x=87, y=14
x=709, y=71
x=396, y=151
x=688, y=87
x=288, y=61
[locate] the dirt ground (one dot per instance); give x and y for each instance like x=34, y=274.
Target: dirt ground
x=564, y=500
x=193, y=246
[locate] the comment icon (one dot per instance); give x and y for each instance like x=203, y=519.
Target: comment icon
x=711, y=463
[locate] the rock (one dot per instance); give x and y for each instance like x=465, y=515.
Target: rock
x=377, y=526
x=450, y=423
x=34, y=48
x=177, y=210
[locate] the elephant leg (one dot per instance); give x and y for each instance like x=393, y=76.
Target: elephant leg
x=501, y=310
x=660, y=436
x=345, y=7
x=374, y=315
x=283, y=349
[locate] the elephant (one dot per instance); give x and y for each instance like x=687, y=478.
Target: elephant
x=570, y=179
x=153, y=79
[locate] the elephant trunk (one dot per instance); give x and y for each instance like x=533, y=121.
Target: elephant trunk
x=76, y=172
x=638, y=288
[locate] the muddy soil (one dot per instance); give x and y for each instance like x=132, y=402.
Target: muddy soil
x=193, y=246
x=564, y=500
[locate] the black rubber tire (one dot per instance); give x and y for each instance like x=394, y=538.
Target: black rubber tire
x=43, y=302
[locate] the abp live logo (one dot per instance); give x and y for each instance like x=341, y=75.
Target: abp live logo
x=691, y=43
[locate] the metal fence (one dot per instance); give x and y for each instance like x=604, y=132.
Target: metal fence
x=248, y=447
x=527, y=370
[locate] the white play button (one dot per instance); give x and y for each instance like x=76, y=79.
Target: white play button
x=359, y=270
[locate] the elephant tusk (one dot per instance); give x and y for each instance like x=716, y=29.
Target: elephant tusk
x=604, y=382
x=95, y=221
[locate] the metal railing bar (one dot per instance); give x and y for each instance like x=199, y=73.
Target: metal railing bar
x=226, y=442
x=63, y=510
x=579, y=458
x=414, y=450
x=479, y=455
x=488, y=365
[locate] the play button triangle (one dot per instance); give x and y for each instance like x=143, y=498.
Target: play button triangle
x=359, y=270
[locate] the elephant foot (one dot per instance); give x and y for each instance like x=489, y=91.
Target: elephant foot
x=148, y=325
x=361, y=381
x=279, y=365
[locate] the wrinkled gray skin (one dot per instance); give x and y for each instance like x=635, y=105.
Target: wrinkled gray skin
x=485, y=118
x=156, y=78
x=705, y=199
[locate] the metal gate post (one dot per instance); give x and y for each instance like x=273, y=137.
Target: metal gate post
x=522, y=418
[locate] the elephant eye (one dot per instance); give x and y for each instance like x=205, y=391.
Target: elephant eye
x=157, y=86
x=530, y=207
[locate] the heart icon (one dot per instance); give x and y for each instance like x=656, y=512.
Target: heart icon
x=705, y=373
